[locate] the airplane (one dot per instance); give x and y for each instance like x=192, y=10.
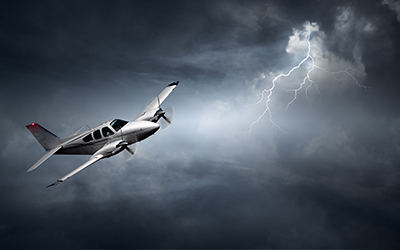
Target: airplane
x=105, y=140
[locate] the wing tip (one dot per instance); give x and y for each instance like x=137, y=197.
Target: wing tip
x=55, y=183
x=33, y=167
x=174, y=84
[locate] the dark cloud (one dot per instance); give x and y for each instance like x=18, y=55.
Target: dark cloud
x=330, y=180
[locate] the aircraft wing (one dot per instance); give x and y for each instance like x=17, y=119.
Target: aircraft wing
x=93, y=159
x=151, y=109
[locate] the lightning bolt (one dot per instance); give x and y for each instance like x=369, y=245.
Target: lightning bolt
x=307, y=81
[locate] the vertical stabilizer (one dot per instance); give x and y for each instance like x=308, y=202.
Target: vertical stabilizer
x=47, y=139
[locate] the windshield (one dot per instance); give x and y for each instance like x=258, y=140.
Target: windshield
x=118, y=124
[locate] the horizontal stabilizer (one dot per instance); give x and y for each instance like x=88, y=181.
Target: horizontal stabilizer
x=44, y=157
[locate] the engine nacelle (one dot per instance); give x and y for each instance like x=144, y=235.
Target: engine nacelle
x=112, y=148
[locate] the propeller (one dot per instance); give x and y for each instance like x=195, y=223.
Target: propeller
x=131, y=150
x=168, y=117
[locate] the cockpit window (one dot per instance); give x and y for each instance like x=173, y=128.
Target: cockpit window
x=97, y=134
x=88, y=138
x=106, y=131
x=118, y=124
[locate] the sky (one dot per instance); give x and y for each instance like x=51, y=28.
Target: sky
x=255, y=158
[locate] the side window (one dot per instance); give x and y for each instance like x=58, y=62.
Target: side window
x=97, y=134
x=88, y=138
x=106, y=131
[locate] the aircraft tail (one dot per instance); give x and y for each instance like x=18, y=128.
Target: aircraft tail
x=47, y=139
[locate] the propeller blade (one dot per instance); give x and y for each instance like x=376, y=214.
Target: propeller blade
x=130, y=150
x=168, y=117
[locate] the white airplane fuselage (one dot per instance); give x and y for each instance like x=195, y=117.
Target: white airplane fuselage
x=132, y=132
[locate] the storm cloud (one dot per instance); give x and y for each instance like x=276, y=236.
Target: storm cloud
x=328, y=179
